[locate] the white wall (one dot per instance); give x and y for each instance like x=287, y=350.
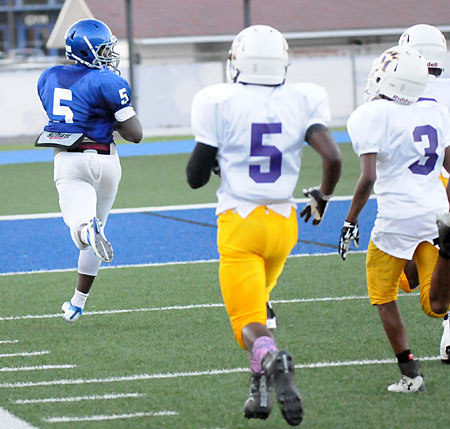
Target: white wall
x=164, y=91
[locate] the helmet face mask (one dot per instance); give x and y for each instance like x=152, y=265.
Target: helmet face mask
x=400, y=73
x=258, y=55
x=91, y=43
x=429, y=41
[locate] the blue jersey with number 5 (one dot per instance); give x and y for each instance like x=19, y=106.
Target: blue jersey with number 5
x=79, y=99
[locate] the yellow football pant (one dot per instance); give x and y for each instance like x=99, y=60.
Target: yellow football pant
x=384, y=272
x=253, y=252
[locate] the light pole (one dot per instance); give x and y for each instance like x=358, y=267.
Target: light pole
x=129, y=17
x=247, y=20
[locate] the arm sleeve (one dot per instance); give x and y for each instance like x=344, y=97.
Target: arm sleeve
x=319, y=105
x=366, y=127
x=200, y=164
x=117, y=95
x=204, y=119
x=446, y=127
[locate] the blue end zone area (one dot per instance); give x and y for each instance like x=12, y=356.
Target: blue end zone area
x=155, y=237
x=125, y=150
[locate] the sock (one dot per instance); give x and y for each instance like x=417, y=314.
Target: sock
x=261, y=346
x=79, y=299
x=405, y=356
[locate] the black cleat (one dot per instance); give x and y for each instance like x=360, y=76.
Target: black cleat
x=259, y=403
x=279, y=369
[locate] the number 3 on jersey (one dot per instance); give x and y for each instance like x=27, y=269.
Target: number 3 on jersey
x=258, y=149
x=66, y=95
x=429, y=133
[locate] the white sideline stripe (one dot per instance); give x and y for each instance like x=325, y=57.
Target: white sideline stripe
x=140, y=377
x=9, y=341
x=192, y=306
x=162, y=264
x=10, y=421
x=79, y=398
x=103, y=417
x=43, y=352
x=36, y=368
x=151, y=209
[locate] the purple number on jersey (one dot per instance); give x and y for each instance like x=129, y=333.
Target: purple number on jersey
x=430, y=151
x=258, y=149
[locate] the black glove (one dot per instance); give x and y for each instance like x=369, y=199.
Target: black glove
x=350, y=231
x=316, y=206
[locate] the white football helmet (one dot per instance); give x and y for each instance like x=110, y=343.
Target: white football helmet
x=429, y=41
x=258, y=55
x=399, y=73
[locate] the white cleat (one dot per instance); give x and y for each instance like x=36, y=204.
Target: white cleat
x=71, y=313
x=408, y=385
x=445, y=341
x=97, y=240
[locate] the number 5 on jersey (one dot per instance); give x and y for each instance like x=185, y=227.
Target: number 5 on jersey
x=258, y=149
x=59, y=95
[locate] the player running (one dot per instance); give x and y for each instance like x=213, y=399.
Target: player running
x=85, y=102
x=254, y=128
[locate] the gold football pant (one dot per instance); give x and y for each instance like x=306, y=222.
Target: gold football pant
x=253, y=252
x=384, y=272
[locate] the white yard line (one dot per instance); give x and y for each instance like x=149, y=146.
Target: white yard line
x=150, y=209
x=140, y=377
x=103, y=417
x=43, y=352
x=162, y=264
x=9, y=341
x=9, y=421
x=191, y=307
x=79, y=398
x=36, y=368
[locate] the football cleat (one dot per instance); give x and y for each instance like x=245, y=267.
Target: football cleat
x=443, y=223
x=97, y=240
x=279, y=370
x=271, y=322
x=445, y=341
x=408, y=385
x=71, y=312
x=259, y=403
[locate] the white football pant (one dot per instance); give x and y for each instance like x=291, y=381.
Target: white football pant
x=87, y=185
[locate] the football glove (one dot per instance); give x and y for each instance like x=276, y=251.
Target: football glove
x=350, y=231
x=316, y=206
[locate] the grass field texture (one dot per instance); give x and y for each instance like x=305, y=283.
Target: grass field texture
x=155, y=348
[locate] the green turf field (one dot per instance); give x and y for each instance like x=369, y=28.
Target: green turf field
x=157, y=340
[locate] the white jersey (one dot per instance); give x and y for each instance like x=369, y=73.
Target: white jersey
x=259, y=132
x=439, y=90
x=410, y=142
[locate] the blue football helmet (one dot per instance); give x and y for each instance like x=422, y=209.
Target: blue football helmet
x=91, y=43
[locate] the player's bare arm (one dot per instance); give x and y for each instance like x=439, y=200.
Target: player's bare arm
x=130, y=130
x=447, y=167
x=363, y=187
x=320, y=139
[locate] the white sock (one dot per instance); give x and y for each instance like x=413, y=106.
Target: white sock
x=79, y=299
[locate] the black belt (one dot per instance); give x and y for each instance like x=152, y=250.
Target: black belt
x=101, y=148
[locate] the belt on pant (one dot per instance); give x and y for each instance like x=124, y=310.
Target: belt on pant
x=100, y=148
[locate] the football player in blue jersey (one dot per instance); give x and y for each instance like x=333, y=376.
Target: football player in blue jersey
x=85, y=102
